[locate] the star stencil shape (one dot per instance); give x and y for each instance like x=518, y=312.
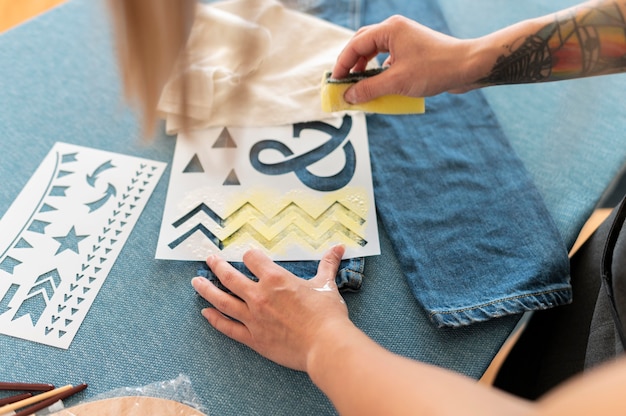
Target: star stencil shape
x=69, y=241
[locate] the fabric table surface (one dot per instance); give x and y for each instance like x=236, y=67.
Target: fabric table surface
x=60, y=83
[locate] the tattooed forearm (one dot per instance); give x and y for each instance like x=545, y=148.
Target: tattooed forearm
x=589, y=40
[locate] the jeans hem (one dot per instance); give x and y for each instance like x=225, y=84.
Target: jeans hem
x=504, y=307
x=349, y=277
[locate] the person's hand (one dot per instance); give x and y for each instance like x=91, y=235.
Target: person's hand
x=281, y=315
x=421, y=63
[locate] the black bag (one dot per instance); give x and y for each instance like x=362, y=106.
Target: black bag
x=606, y=337
x=562, y=342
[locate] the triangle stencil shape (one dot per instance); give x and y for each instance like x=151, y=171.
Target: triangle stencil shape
x=194, y=165
x=46, y=208
x=23, y=244
x=224, y=141
x=232, y=179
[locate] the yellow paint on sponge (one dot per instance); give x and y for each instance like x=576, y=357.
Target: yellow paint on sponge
x=334, y=89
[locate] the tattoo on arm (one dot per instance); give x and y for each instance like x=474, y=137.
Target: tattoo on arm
x=590, y=40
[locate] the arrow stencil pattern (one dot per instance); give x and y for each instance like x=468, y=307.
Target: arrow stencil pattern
x=62, y=238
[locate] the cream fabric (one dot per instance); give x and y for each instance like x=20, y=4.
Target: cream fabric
x=253, y=63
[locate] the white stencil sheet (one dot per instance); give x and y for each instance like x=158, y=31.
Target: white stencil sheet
x=61, y=236
x=292, y=191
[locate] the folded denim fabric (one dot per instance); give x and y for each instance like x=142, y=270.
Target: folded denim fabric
x=349, y=278
x=468, y=225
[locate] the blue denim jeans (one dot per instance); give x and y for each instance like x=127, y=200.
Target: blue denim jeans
x=468, y=225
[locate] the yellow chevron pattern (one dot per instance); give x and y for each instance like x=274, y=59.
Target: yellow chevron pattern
x=292, y=213
x=277, y=223
x=294, y=231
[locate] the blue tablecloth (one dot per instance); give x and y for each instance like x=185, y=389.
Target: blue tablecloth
x=59, y=83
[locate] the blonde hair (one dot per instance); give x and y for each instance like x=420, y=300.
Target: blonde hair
x=150, y=36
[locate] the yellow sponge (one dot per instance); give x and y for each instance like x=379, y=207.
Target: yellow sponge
x=333, y=90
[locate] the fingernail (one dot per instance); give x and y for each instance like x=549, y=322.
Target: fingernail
x=339, y=250
x=211, y=259
x=197, y=282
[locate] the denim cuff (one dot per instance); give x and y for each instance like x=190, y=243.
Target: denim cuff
x=349, y=277
x=502, y=307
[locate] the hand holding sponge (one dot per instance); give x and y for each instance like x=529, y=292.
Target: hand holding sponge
x=334, y=89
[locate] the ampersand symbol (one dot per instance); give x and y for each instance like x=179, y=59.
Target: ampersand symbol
x=299, y=164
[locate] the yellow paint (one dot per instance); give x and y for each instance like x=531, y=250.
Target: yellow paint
x=296, y=218
x=15, y=12
x=271, y=201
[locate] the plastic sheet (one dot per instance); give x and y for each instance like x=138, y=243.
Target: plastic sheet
x=174, y=397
